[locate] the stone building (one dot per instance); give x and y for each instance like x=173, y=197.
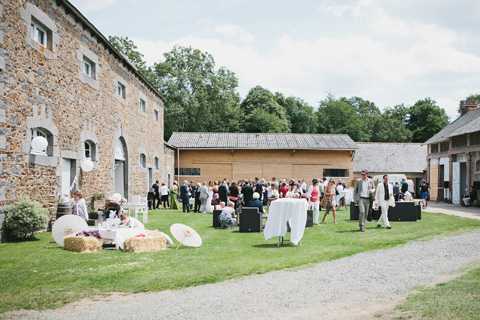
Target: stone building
x=61, y=79
x=235, y=156
x=381, y=158
x=454, y=157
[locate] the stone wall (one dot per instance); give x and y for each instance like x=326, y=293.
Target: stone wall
x=46, y=88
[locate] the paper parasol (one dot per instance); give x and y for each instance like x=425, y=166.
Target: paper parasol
x=185, y=235
x=39, y=146
x=167, y=238
x=67, y=225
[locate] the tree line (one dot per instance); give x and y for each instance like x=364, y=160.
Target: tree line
x=201, y=97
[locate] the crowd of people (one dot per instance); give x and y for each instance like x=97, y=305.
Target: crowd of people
x=326, y=194
x=229, y=196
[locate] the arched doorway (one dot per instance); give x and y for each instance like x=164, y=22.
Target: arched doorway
x=121, y=168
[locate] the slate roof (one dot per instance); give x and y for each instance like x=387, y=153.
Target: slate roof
x=468, y=123
x=261, y=141
x=390, y=157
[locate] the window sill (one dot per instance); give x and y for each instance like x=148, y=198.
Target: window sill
x=46, y=161
x=49, y=54
x=91, y=82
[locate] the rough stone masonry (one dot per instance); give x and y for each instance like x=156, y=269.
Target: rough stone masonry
x=47, y=90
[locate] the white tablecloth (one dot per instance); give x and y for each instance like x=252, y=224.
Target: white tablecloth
x=119, y=235
x=348, y=196
x=282, y=210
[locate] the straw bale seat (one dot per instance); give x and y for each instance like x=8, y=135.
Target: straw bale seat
x=82, y=244
x=152, y=242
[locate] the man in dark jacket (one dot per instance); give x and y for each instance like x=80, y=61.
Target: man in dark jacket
x=156, y=195
x=196, y=194
x=185, y=197
x=259, y=188
x=223, y=192
x=247, y=192
x=404, y=186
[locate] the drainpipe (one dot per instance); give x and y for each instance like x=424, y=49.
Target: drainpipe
x=178, y=166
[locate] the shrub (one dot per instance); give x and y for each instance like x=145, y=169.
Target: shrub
x=23, y=219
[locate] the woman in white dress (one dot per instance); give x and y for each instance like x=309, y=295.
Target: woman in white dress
x=209, y=207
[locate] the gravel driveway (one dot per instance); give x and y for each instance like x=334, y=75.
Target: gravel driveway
x=355, y=287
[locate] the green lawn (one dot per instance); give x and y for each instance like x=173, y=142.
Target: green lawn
x=38, y=274
x=458, y=299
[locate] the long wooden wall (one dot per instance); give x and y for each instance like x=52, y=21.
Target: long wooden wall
x=247, y=164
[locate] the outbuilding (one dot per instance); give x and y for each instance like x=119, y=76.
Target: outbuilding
x=235, y=156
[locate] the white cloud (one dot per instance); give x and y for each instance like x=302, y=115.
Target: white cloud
x=234, y=33
x=93, y=5
x=393, y=61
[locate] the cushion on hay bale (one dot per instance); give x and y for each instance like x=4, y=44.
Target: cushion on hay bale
x=151, y=243
x=82, y=244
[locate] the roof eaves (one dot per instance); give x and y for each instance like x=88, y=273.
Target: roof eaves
x=70, y=8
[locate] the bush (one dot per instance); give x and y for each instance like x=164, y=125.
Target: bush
x=23, y=219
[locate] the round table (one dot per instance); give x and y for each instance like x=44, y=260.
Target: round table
x=281, y=211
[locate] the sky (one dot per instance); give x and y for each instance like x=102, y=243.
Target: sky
x=387, y=51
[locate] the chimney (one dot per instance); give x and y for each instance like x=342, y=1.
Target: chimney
x=468, y=105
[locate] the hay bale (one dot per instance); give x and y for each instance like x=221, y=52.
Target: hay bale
x=82, y=244
x=153, y=242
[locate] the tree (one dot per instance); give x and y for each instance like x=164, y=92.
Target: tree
x=368, y=113
x=426, y=119
x=199, y=97
x=260, y=105
x=339, y=116
x=128, y=48
x=300, y=115
x=391, y=126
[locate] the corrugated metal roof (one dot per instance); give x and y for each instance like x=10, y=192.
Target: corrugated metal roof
x=224, y=140
x=390, y=157
x=468, y=123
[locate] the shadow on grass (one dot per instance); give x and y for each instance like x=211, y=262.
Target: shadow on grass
x=348, y=231
x=273, y=245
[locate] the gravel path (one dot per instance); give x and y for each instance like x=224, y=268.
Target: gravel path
x=355, y=287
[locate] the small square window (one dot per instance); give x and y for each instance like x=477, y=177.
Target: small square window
x=157, y=115
x=121, y=90
x=143, y=105
x=89, y=68
x=41, y=34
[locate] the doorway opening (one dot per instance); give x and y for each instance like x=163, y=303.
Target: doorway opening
x=121, y=168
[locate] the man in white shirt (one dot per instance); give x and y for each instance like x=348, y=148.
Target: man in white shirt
x=384, y=199
x=363, y=190
x=164, y=195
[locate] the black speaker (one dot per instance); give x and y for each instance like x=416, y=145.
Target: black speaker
x=216, y=218
x=309, y=219
x=250, y=220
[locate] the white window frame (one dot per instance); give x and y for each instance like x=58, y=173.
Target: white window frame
x=89, y=68
x=143, y=105
x=121, y=90
x=143, y=160
x=36, y=28
x=90, y=148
